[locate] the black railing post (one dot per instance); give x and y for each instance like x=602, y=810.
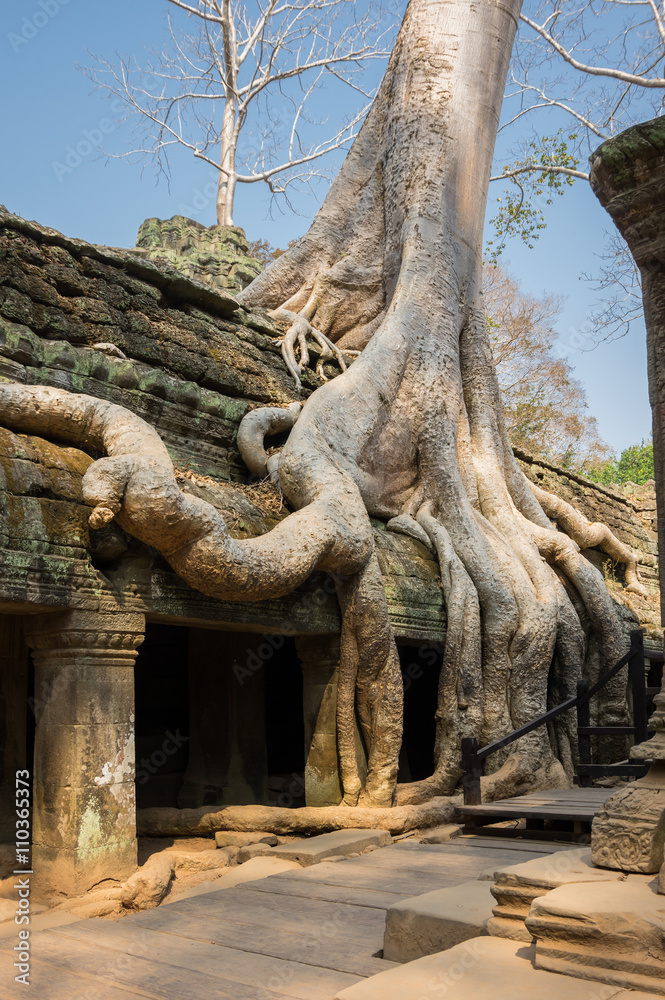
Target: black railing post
x=638, y=686
x=473, y=769
x=583, y=739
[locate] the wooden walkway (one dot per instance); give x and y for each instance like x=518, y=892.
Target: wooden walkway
x=572, y=808
x=304, y=934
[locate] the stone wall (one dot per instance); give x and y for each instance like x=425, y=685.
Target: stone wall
x=630, y=512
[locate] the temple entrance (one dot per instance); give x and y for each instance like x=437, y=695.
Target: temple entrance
x=421, y=665
x=219, y=719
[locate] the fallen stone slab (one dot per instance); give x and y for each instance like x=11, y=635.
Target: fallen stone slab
x=312, y=850
x=482, y=968
x=242, y=838
x=516, y=887
x=441, y=834
x=435, y=921
x=168, y=822
x=613, y=932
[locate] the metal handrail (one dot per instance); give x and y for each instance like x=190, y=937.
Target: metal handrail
x=473, y=756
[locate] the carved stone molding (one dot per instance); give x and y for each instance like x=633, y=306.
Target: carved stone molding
x=628, y=833
x=89, y=633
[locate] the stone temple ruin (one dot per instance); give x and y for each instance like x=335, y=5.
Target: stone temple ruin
x=221, y=703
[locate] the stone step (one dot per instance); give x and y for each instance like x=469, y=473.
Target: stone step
x=311, y=850
x=435, y=921
x=480, y=969
x=612, y=932
x=517, y=886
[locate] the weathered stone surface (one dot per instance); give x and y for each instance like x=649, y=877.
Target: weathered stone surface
x=436, y=921
x=193, y=366
x=516, y=887
x=612, y=932
x=217, y=256
x=251, y=851
x=478, y=969
x=629, y=511
x=441, y=834
x=627, y=175
x=84, y=807
x=628, y=833
x=236, y=838
x=315, y=849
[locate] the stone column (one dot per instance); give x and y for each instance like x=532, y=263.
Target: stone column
x=227, y=762
x=84, y=812
x=319, y=656
x=13, y=708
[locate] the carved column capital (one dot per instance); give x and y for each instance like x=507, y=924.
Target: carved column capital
x=93, y=634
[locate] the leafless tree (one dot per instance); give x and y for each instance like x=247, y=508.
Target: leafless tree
x=248, y=69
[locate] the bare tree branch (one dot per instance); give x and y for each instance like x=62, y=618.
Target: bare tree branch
x=211, y=87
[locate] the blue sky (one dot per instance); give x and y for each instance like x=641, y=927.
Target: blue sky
x=52, y=171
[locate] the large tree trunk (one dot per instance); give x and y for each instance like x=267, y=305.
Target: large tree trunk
x=412, y=430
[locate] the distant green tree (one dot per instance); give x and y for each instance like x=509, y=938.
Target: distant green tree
x=264, y=251
x=635, y=465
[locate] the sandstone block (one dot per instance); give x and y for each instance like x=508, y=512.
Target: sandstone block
x=613, y=932
x=478, y=969
x=436, y=921
x=441, y=834
x=516, y=887
x=234, y=838
x=311, y=850
x=253, y=851
x=628, y=833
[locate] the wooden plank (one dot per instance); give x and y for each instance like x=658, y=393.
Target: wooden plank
x=147, y=978
x=305, y=982
x=523, y=812
x=47, y=983
x=328, y=945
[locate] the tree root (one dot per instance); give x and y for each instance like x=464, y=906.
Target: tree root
x=297, y=333
x=159, y=822
x=254, y=427
x=590, y=535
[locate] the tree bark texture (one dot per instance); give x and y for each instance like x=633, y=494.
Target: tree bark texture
x=412, y=432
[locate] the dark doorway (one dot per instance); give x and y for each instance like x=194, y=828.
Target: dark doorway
x=285, y=728
x=162, y=715
x=421, y=666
